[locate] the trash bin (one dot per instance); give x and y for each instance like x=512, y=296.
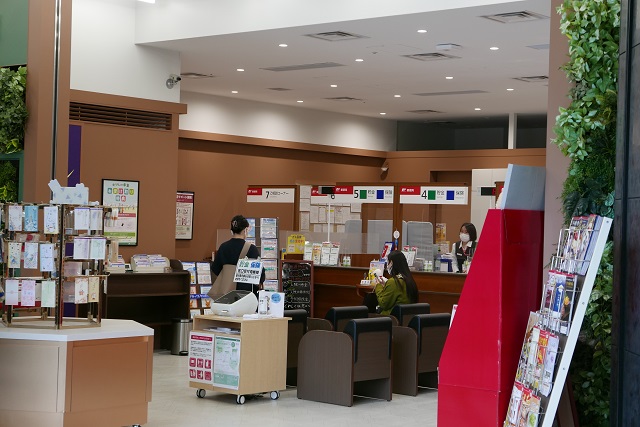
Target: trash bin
x=180, y=330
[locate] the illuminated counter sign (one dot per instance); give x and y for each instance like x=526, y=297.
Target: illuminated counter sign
x=414, y=195
x=363, y=194
x=270, y=195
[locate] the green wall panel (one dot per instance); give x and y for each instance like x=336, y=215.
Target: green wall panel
x=14, y=20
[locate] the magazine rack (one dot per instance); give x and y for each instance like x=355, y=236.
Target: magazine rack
x=480, y=356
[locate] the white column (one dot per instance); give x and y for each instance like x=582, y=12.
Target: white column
x=513, y=128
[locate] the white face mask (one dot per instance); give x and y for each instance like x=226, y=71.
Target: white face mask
x=389, y=270
x=464, y=237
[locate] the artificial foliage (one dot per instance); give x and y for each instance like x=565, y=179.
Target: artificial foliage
x=13, y=109
x=586, y=132
x=8, y=182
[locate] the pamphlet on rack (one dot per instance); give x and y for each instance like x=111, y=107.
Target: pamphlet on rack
x=191, y=268
x=268, y=228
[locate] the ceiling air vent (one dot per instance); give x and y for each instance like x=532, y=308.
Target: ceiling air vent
x=544, y=46
x=533, y=79
x=119, y=116
x=424, y=111
x=304, y=66
x=457, y=92
x=336, y=36
x=515, y=17
x=344, y=98
x=196, y=76
x=279, y=89
x=433, y=56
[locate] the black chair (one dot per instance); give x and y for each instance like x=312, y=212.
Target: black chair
x=339, y=316
x=297, y=327
x=404, y=312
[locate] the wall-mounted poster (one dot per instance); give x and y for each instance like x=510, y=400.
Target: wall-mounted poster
x=122, y=223
x=184, y=215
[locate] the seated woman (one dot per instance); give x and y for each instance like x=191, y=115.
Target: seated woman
x=400, y=288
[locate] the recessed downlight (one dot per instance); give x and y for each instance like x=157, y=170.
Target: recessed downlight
x=283, y=45
x=510, y=89
x=383, y=114
x=234, y=91
x=449, y=77
x=422, y=31
x=359, y=60
x=334, y=85
x=239, y=69
x=300, y=101
x=494, y=48
x=478, y=109
x=397, y=96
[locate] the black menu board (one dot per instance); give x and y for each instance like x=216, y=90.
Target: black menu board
x=297, y=285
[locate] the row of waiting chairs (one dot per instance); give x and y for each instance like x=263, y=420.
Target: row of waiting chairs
x=352, y=352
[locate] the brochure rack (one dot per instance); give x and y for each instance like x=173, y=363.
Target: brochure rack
x=552, y=332
x=45, y=245
x=480, y=356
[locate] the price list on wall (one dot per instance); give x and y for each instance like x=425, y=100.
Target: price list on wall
x=297, y=285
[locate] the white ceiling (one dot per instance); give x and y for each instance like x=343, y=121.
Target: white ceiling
x=385, y=72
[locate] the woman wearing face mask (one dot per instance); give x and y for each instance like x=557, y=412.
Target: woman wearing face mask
x=465, y=248
x=400, y=288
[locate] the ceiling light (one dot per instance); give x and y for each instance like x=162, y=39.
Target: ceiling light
x=510, y=89
x=449, y=77
x=239, y=69
x=478, y=109
x=494, y=48
x=422, y=31
x=359, y=60
x=300, y=101
x=382, y=114
x=234, y=91
x=283, y=45
x=148, y=1
x=334, y=85
x=397, y=96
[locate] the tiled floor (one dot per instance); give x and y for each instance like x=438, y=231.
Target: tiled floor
x=175, y=404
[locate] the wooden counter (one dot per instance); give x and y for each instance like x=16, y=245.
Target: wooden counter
x=98, y=377
x=336, y=286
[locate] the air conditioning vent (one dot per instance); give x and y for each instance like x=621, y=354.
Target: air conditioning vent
x=432, y=56
x=344, y=98
x=533, y=79
x=544, y=46
x=196, y=76
x=304, y=66
x=457, y=92
x=515, y=17
x=336, y=36
x=424, y=111
x=119, y=116
x=279, y=89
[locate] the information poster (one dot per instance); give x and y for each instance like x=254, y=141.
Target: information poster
x=428, y=195
x=122, y=223
x=226, y=364
x=184, y=215
x=248, y=271
x=201, y=357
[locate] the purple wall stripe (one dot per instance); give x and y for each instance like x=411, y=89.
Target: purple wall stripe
x=75, y=144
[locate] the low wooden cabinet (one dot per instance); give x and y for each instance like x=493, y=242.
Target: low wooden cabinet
x=263, y=353
x=152, y=299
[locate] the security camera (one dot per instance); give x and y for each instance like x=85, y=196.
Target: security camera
x=173, y=80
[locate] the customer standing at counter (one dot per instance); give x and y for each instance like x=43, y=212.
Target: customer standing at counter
x=400, y=288
x=465, y=247
x=233, y=249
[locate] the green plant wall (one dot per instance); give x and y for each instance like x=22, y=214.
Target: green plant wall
x=14, y=20
x=586, y=132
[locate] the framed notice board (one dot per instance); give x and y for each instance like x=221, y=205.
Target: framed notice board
x=297, y=285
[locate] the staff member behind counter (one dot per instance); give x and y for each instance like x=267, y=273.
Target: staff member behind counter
x=464, y=248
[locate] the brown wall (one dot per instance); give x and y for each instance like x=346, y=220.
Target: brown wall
x=218, y=168
x=144, y=155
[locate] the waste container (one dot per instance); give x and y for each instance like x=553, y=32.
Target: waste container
x=180, y=331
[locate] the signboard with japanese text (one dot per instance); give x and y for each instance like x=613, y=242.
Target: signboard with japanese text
x=122, y=223
x=270, y=195
x=427, y=195
x=363, y=194
x=184, y=215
